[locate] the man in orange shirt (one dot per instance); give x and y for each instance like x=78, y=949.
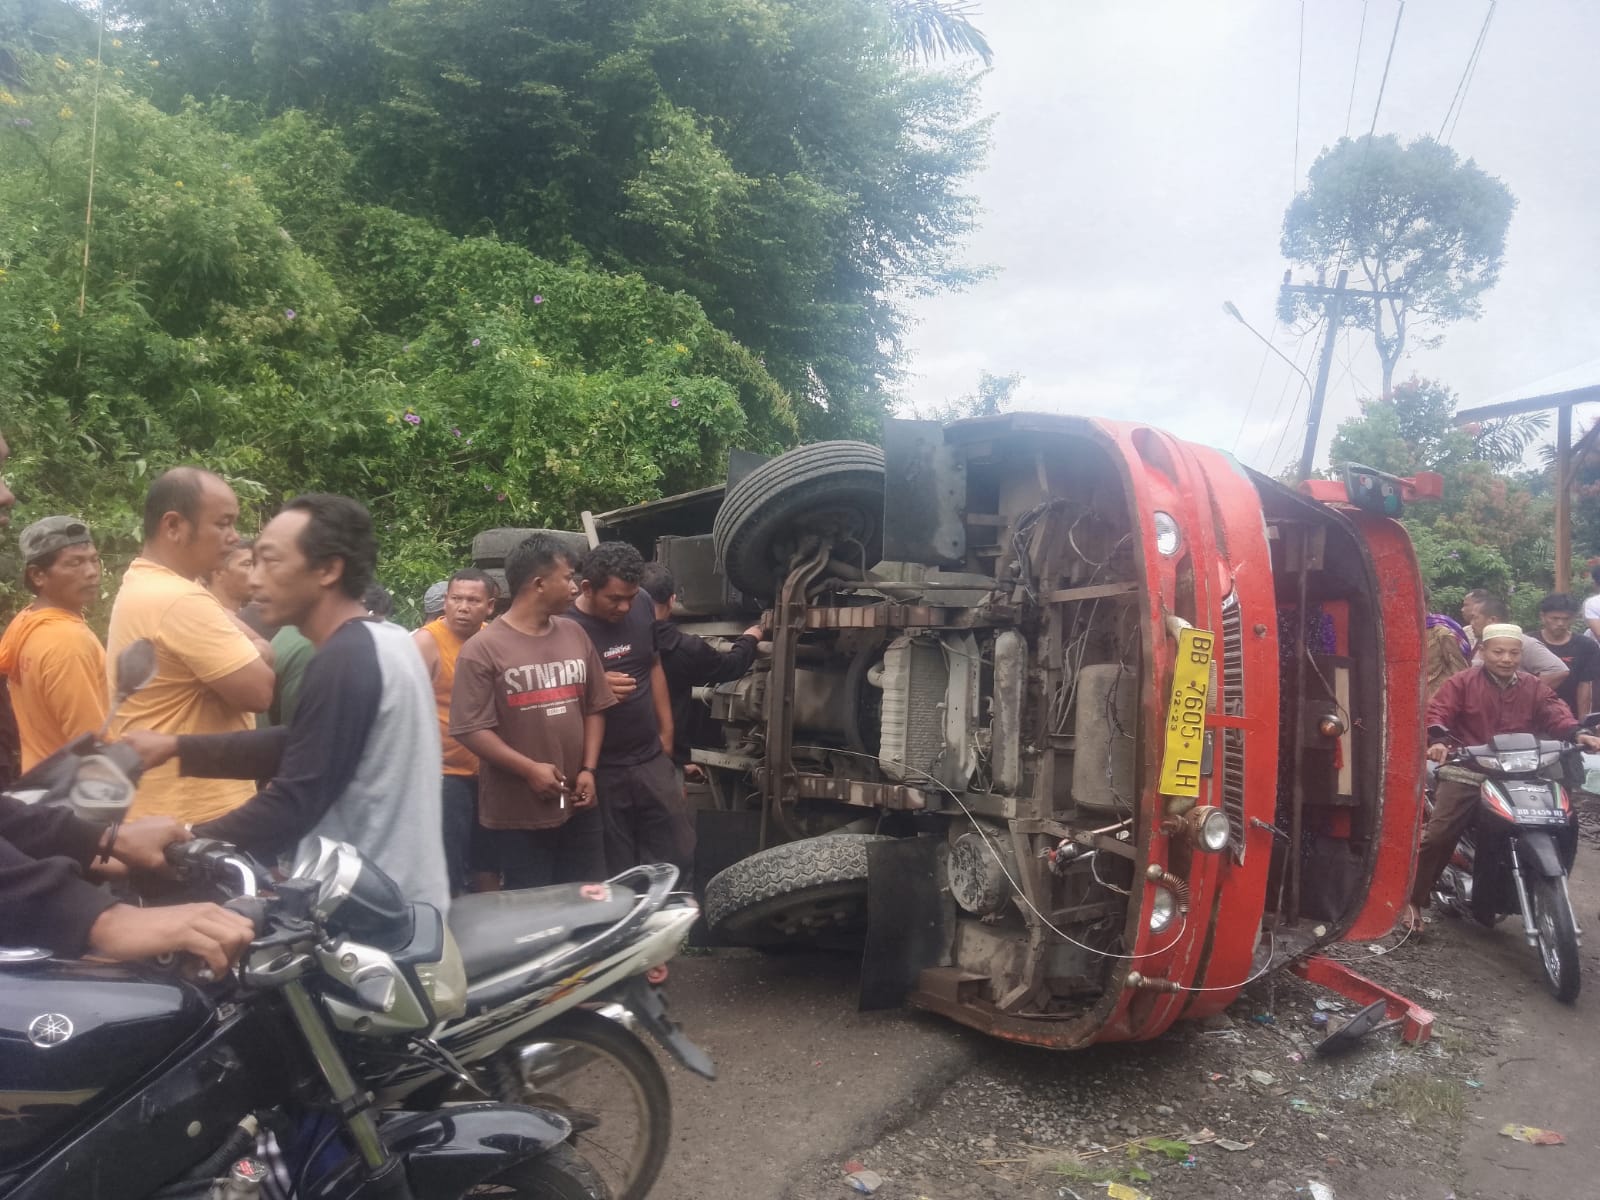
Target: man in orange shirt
x=55, y=664
x=213, y=674
x=469, y=596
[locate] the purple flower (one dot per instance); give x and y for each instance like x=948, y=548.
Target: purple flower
x=538, y=299
x=455, y=431
x=289, y=313
x=412, y=419
x=477, y=342
x=23, y=123
x=500, y=496
x=675, y=402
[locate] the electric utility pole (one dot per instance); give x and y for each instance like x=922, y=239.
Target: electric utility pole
x=1333, y=299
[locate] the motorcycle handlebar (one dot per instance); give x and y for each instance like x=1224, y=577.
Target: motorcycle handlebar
x=218, y=862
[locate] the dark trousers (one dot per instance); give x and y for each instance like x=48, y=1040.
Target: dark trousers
x=641, y=805
x=458, y=799
x=569, y=853
x=1454, y=805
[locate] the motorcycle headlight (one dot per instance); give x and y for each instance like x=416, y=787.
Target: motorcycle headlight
x=1163, y=907
x=1515, y=761
x=354, y=898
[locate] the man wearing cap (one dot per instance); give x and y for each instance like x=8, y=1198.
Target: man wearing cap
x=433, y=600
x=1491, y=698
x=54, y=663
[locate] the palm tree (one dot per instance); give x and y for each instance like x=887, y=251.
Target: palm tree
x=930, y=29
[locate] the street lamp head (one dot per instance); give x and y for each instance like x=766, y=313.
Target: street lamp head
x=1232, y=310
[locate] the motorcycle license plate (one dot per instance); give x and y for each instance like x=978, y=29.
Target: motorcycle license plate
x=1186, y=714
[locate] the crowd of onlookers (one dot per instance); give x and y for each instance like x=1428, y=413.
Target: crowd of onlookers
x=527, y=729
x=1564, y=652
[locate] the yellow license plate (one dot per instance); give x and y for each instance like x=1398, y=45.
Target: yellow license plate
x=1186, y=715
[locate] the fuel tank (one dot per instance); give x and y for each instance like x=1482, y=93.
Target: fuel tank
x=73, y=1035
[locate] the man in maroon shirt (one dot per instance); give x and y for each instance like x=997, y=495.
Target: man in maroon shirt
x=1482, y=701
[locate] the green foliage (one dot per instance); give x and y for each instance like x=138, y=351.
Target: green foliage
x=245, y=310
x=1494, y=527
x=1413, y=220
x=784, y=162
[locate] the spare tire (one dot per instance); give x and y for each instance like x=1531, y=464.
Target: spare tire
x=812, y=891
x=832, y=489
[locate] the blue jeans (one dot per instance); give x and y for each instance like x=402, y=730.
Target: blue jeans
x=459, y=804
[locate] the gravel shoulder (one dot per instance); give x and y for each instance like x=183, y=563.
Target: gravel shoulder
x=1239, y=1106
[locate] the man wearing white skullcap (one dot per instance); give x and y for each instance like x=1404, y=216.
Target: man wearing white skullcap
x=1491, y=698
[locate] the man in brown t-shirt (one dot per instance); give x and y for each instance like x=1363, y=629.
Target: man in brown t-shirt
x=530, y=694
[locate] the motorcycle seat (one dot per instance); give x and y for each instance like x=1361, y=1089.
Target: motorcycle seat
x=498, y=930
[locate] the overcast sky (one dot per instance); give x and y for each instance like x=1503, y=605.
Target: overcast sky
x=1144, y=152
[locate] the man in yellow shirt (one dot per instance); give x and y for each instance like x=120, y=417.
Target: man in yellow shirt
x=212, y=673
x=55, y=665
x=469, y=597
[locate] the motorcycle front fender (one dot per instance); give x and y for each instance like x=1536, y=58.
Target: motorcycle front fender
x=450, y=1150
x=1537, y=852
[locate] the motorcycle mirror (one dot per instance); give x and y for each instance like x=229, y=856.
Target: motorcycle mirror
x=1592, y=721
x=136, y=666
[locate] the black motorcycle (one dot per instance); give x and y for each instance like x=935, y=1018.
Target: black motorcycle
x=151, y=1081
x=1515, y=858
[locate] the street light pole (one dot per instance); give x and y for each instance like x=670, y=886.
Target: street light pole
x=1232, y=310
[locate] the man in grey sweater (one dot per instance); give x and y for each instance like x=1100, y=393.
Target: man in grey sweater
x=359, y=762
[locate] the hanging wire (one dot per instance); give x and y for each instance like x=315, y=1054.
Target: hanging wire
x=1471, y=74
x=1299, y=76
x=1048, y=924
x=1355, y=74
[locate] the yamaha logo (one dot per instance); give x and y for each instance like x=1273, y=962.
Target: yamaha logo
x=49, y=1029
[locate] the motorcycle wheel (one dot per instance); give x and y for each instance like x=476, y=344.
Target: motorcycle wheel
x=599, y=1075
x=1557, y=937
x=559, y=1174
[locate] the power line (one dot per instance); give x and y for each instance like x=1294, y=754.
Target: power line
x=1266, y=353
x=1471, y=72
x=1284, y=395
x=1361, y=37
x=1384, y=82
x=1299, y=75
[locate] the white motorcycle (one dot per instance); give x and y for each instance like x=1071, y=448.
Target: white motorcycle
x=560, y=981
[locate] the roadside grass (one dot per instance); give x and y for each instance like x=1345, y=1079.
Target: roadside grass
x=1422, y=1100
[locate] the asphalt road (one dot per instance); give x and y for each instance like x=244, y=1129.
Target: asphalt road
x=802, y=1076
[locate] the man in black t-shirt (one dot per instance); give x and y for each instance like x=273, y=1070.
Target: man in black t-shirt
x=636, y=780
x=1557, y=612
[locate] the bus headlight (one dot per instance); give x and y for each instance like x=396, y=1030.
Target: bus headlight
x=1163, y=907
x=1210, y=828
x=1168, y=536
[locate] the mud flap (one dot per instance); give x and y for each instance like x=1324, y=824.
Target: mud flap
x=909, y=919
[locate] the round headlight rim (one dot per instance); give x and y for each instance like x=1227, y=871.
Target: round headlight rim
x=1163, y=909
x=1169, y=534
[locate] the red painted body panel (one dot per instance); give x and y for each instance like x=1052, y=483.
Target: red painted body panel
x=1394, y=563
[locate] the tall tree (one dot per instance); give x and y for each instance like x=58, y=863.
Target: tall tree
x=1493, y=527
x=785, y=162
x=1415, y=221
x=934, y=29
